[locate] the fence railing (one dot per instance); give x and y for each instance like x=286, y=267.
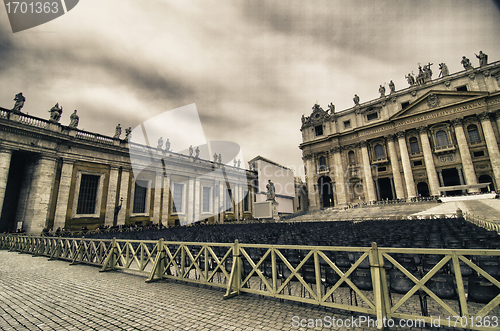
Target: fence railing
x=483, y=222
x=389, y=283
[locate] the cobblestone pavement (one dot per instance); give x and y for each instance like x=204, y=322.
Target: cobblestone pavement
x=37, y=294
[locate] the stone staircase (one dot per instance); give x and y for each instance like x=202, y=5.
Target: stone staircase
x=367, y=212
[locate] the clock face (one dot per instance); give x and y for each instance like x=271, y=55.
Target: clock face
x=317, y=115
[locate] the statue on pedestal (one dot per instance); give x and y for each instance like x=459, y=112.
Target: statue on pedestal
x=411, y=79
x=73, y=120
x=239, y=163
x=159, y=145
x=428, y=72
x=19, y=99
x=191, y=150
x=271, y=191
x=215, y=157
x=331, y=107
x=55, y=113
x=220, y=158
x=118, y=131
x=167, y=145
x=197, y=152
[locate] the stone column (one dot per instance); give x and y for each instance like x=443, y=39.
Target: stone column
x=441, y=181
x=5, y=157
x=392, y=187
x=157, y=198
x=429, y=162
x=311, y=187
x=340, y=186
x=124, y=185
x=63, y=195
x=398, y=183
x=197, y=199
x=405, y=158
x=492, y=145
x=368, y=173
x=42, y=186
x=165, y=209
x=461, y=179
x=190, y=201
x=468, y=166
x=378, y=190
x=222, y=199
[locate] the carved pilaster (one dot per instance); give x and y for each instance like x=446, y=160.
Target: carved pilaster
x=483, y=116
x=457, y=122
x=422, y=129
x=400, y=134
x=364, y=143
x=336, y=149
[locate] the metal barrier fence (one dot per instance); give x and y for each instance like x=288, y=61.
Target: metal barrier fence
x=482, y=222
x=387, y=283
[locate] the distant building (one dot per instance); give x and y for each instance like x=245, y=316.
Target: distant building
x=435, y=137
x=283, y=179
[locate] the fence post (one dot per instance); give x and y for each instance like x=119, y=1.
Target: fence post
x=234, y=284
x=376, y=270
x=79, y=253
x=159, y=264
x=111, y=259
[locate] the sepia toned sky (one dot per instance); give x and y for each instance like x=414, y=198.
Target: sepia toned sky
x=251, y=67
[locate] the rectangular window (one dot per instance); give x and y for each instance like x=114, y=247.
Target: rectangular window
x=347, y=124
x=229, y=200
x=462, y=88
x=140, y=193
x=382, y=168
x=87, y=196
x=319, y=130
x=417, y=163
x=177, y=197
x=206, y=199
x=479, y=153
x=405, y=104
x=372, y=116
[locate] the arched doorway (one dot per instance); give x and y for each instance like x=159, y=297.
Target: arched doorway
x=423, y=189
x=325, y=191
x=385, y=188
x=486, y=179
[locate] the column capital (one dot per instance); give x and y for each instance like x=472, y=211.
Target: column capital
x=400, y=134
x=422, y=129
x=363, y=143
x=389, y=137
x=307, y=156
x=336, y=149
x=457, y=122
x=484, y=116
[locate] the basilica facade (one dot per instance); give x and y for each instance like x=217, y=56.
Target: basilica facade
x=436, y=137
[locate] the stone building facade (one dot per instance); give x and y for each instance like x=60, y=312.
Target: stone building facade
x=54, y=176
x=436, y=137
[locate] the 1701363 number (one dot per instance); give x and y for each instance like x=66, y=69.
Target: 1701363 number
x=32, y=7
x=477, y=321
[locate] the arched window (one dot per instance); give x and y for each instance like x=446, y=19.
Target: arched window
x=473, y=133
x=379, y=152
x=442, y=138
x=322, y=163
x=351, y=157
x=414, y=145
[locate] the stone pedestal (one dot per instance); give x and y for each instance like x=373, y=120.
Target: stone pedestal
x=266, y=210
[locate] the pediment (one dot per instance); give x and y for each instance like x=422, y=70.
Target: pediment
x=433, y=100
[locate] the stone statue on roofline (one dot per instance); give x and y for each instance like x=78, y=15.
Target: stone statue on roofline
x=128, y=133
x=118, y=131
x=220, y=158
x=381, y=90
x=167, y=145
x=356, y=100
x=159, y=145
x=331, y=108
x=197, y=152
x=466, y=63
x=410, y=78
x=19, y=99
x=483, y=59
x=215, y=157
x=191, y=150
x=444, y=70
x=392, y=87
x=55, y=113
x=73, y=120
x=428, y=72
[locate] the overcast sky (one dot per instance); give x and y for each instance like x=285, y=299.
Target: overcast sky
x=251, y=67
